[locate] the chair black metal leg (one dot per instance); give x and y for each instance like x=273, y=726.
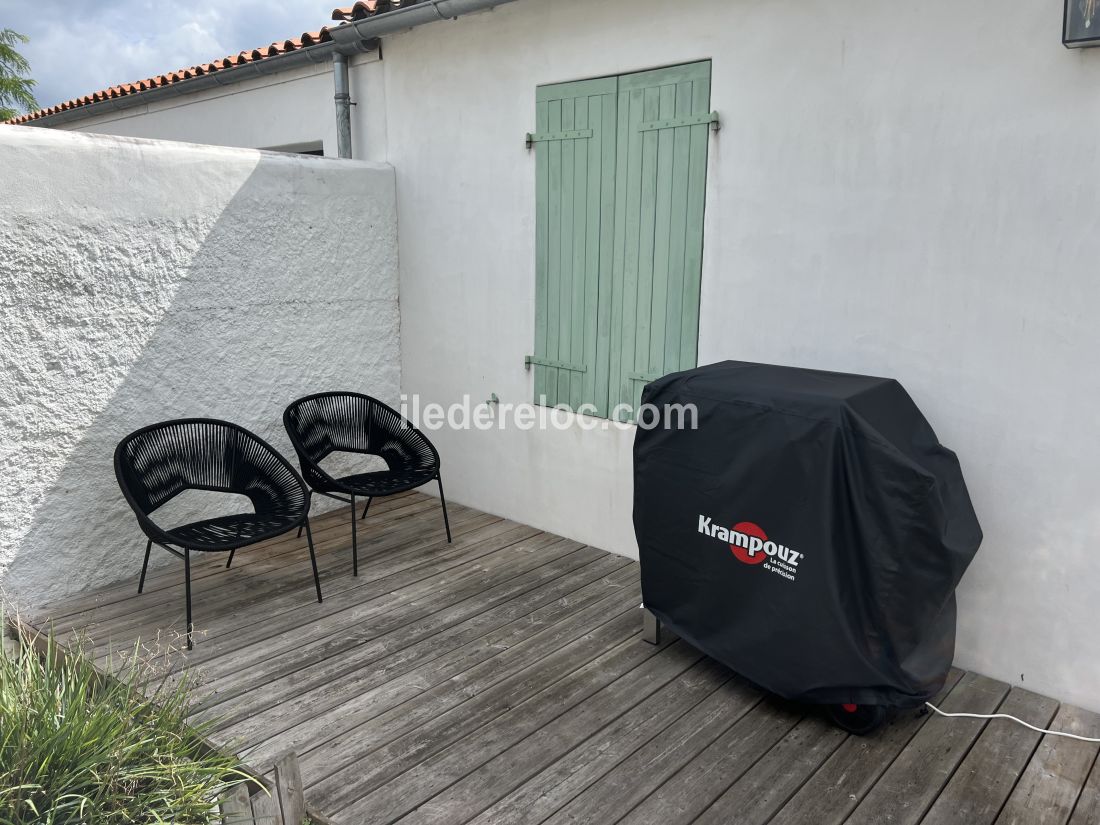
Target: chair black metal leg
x=187, y=576
x=313, y=560
x=443, y=501
x=231, y=552
x=365, y=508
x=354, y=544
x=145, y=565
x=299, y=531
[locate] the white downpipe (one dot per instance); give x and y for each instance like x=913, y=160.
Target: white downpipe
x=343, y=104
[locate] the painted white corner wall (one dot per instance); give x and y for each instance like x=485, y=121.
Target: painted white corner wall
x=145, y=280
x=903, y=190
x=291, y=109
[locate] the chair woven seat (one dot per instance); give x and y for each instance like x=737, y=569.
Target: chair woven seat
x=158, y=462
x=386, y=482
x=350, y=422
x=238, y=530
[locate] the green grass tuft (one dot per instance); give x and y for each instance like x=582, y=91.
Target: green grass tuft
x=78, y=747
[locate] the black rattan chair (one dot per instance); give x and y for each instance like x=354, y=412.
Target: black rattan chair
x=333, y=422
x=158, y=462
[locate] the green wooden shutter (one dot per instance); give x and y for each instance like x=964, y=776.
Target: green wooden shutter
x=663, y=131
x=575, y=163
x=621, y=176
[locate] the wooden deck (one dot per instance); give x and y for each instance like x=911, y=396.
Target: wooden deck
x=502, y=679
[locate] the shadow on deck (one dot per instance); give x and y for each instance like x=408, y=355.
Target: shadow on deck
x=502, y=679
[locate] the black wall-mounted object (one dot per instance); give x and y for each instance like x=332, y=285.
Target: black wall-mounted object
x=1081, y=24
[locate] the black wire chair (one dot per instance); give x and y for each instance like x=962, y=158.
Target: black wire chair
x=333, y=422
x=158, y=462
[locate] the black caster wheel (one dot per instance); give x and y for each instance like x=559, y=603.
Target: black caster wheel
x=857, y=719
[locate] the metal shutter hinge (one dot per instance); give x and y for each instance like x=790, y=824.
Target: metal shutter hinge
x=541, y=137
x=673, y=122
x=528, y=360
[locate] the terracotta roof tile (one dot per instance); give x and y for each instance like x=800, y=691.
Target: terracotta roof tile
x=369, y=8
x=362, y=9
x=262, y=53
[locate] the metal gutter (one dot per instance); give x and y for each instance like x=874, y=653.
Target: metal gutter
x=349, y=38
x=406, y=17
x=318, y=53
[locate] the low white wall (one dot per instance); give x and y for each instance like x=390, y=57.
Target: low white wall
x=898, y=189
x=144, y=280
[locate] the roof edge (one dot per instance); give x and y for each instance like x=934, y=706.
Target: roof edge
x=80, y=110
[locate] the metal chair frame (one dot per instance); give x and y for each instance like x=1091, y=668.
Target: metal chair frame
x=129, y=477
x=339, y=489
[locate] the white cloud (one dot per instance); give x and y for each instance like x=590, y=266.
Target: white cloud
x=78, y=48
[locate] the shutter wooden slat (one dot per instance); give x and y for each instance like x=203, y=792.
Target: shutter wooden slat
x=651, y=354
x=693, y=228
x=626, y=275
x=648, y=236
x=584, y=387
x=565, y=292
x=624, y=140
x=542, y=246
x=554, y=268
x=669, y=359
x=580, y=249
x=609, y=111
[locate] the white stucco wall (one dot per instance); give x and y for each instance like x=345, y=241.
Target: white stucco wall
x=144, y=280
x=290, y=109
x=897, y=189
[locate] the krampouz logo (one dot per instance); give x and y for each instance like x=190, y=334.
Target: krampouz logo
x=751, y=545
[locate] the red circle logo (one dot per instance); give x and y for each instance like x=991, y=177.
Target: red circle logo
x=753, y=531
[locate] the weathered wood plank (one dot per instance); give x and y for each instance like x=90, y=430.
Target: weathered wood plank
x=313, y=684
x=683, y=797
x=555, y=785
x=244, y=590
x=334, y=629
x=833, y=792
x=1087, y=809
x=289, y=790
x=348, y=612
x=450, y=787
x=650, y=766
x=408, y=734
x=365, y=697
x=238, y=598
x=911, y=783
x=766, y=786
x=236, y=809
x=294, y=619
x=985, y=778
x=387, y=611
x=265, y=809
x=580, y=690
x=1053, y=780
x=167, y=576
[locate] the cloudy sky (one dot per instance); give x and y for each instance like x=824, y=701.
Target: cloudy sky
x=80, y=46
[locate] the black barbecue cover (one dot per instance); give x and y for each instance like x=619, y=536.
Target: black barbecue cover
x=809, y=534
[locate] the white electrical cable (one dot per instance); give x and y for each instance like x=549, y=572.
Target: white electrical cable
x=1012, y=718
